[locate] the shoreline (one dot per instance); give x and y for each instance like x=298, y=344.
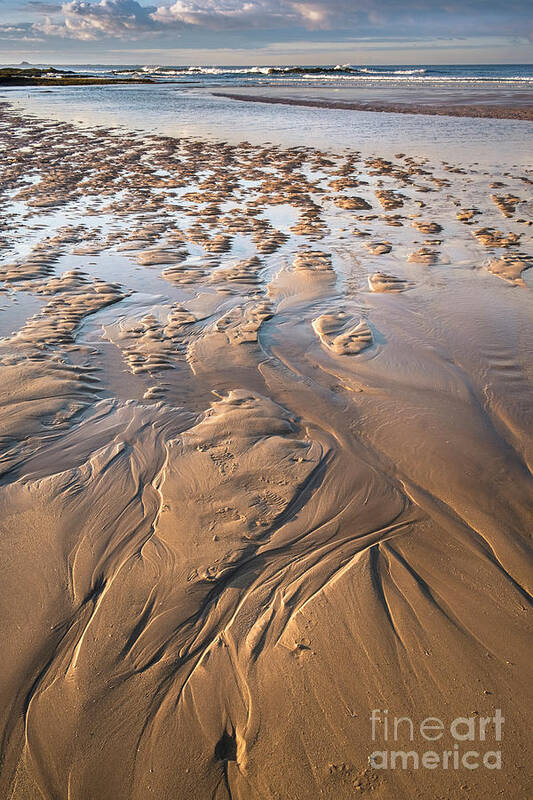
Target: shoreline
x=472, y=111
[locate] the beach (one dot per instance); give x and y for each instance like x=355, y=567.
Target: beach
x=266, y=443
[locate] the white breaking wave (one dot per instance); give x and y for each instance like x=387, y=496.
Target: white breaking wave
x=345, y=73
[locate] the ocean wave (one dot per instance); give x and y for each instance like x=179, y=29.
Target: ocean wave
x=344, y=73
x=348, y=69
x=269, y=70
x=184, y=71
x=374, y=71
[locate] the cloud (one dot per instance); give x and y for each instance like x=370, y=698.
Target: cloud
x=314, y=15
x=128, y=19
x=21, y=32
x=227, y=14
x=39, y=7
x=115, y=19
x=91, y=20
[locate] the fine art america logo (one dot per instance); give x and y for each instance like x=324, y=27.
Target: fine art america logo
x=469, y=739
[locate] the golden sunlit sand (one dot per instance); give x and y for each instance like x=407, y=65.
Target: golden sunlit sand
x=266, y=443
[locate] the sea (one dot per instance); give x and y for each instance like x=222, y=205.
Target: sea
x=184, y=101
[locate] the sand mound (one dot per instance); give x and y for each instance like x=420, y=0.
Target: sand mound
x=511, y=267
x=312, y=261
x=378, y=248
x=337, y=332
x=381, y=282
x=426, y=255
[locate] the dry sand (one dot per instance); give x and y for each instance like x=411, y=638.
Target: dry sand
x=266, y=444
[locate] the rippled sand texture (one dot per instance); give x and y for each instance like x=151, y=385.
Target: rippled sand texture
x=266, y=443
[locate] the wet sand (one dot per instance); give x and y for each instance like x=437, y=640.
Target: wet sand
x=495, y=102
x=266, y=449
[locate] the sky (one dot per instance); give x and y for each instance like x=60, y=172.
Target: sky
x=266, y=31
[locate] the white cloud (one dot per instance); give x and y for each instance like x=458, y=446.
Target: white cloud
x=219, y=14
x=314, y=15
x=120, y=19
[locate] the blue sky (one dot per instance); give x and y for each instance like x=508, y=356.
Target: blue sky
x=266, y=31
